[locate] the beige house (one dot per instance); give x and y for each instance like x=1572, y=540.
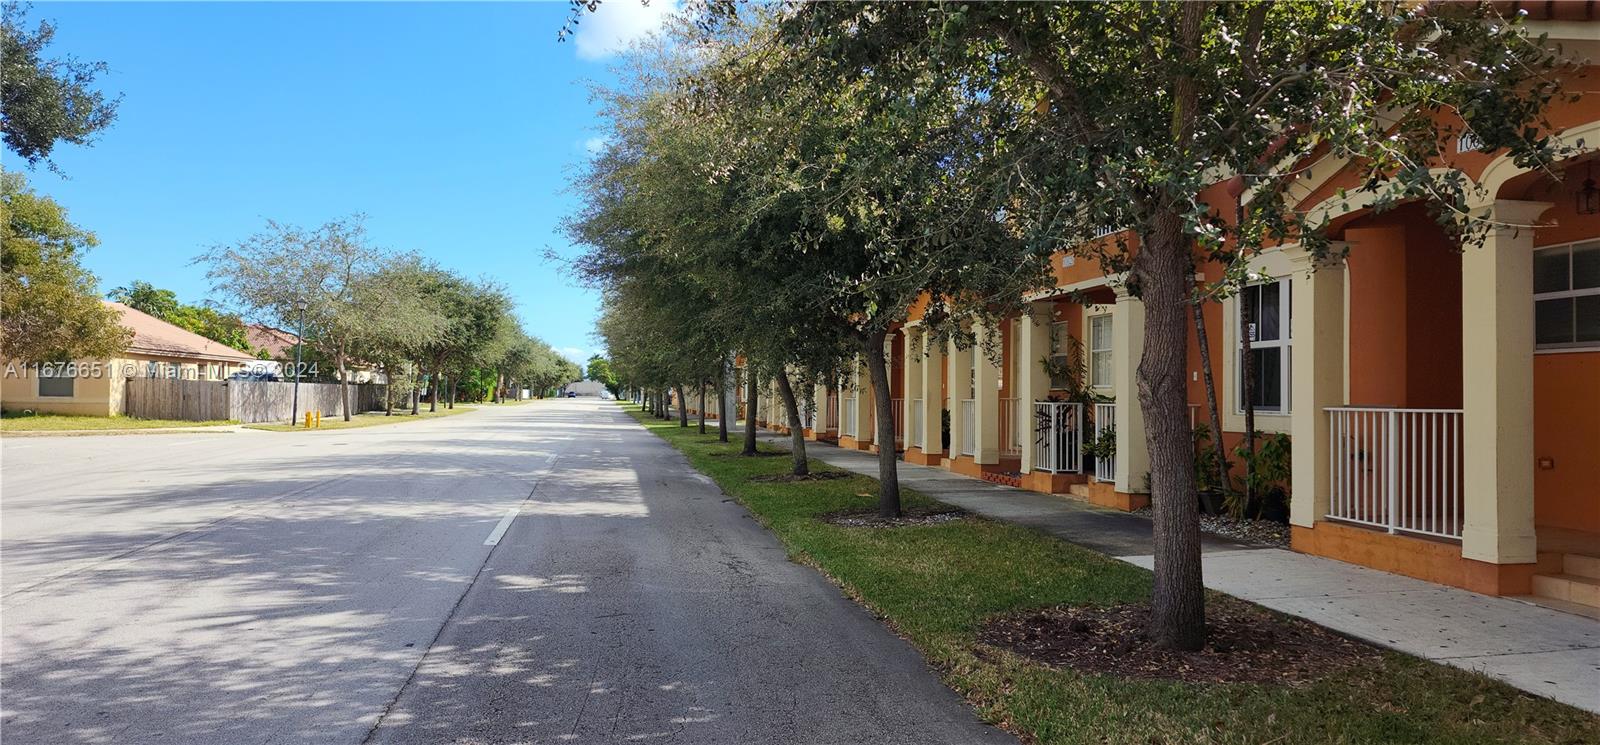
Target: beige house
x=96, y=387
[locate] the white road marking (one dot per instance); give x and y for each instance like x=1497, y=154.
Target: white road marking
x=501, y=527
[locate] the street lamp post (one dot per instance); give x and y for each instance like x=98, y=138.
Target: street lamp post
x=299, y=341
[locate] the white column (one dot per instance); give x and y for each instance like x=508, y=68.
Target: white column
x=1127, y=346
x=1317, y=382
x=911, y=337
x=1497, y=389
x=933, y=404
x=986, y=395
x=860, y=389
x=1033, y=384
x=960, y=362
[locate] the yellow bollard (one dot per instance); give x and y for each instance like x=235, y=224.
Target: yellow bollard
x=308, y=420
x=319, y=418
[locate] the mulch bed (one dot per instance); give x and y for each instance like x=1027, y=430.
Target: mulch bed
x=759, y=454
x=1243, y=530
x=785, y=478
x=1244, y=645
x=868, y=517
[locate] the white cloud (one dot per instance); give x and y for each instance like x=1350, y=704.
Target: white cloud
x=575, y=354
x=616, y=24
x=594, y=145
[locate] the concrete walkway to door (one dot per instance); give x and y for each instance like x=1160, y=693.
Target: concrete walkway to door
x=1539, y=650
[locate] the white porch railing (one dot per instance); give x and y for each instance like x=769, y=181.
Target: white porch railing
x=969, y=432
x=1396, y=469
x=1105, y=420
x=917, y=414
x=847, y=416
x=1058, y=436
x=1010, y=427
x=897, y=411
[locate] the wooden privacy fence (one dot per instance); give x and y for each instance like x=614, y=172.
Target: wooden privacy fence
x=246, y=401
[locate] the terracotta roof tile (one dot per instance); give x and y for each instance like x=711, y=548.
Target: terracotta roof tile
x=154, y=336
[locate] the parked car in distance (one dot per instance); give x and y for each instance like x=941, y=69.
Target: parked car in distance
x=572, y=394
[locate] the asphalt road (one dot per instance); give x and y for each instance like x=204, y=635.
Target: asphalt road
x=370, y=586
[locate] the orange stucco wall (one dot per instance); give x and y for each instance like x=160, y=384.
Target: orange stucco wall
x=1404, y=283
x=1425, y=559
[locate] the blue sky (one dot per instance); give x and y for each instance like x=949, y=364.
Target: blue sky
x=453, y=126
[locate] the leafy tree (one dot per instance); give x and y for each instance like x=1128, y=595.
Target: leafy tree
x=49, y=308
x=44, y=102
x=858, y=203
x=327, y=270
x=225, y=328
x=474, y=314
x=599, y=369
x=400, y=319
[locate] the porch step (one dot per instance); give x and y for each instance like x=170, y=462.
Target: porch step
x=1079, y=490
x=1581, y=565
x=1571, y=588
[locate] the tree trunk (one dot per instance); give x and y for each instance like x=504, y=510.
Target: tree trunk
x=434, y=381
x=702, y=407
x=416, y=395
x=683, y=408
x=453, y=383
x=1211, y=394
x=344, y=387
x=1165, y=271
x=722, y=409
x=883, y=413
x=752, y=390
x=797, y=434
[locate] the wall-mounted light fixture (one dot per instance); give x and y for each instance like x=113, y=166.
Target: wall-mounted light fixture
x=1588, y=198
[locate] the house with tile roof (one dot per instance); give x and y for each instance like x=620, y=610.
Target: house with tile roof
x=97, y=387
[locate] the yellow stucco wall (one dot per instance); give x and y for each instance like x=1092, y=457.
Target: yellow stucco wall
x=98, y=388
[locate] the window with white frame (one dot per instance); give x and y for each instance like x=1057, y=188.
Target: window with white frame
x=1566, y=296
x=1267, y=306
x=1100, y=350
x=1059, y=372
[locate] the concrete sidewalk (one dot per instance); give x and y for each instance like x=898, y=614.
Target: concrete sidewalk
x=1536, y=649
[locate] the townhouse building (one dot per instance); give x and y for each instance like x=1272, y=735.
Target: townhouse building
x=1443, y=402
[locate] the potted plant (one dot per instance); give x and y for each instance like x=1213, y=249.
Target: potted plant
x=1101, y=445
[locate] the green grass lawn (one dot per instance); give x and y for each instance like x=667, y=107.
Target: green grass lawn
x=936, y=584
x=370, y=419
x=15, y=422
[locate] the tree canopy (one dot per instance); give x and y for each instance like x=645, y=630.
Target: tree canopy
x=50, y=309
x=44, y=102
